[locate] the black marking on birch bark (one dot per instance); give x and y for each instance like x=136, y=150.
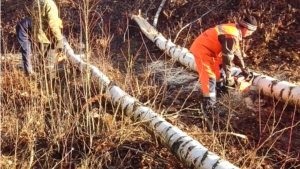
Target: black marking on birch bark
x=216, y=164
x=290, y=90
x=187, y=142
x=273, y=83
x=204, y=157
x=121, y=100
x=155, y=39
x=262, y=78
x=168, y=128
x=255, y=76
x=177, y=139
x=125, y=108
x=169, y=51
x=194, y=162
x=136, y=105
x=111, y=84
x=281, y=93
x=155, y=116
x=158, y=123
x=171, y=137
x=174, y=50
x=118, y=101
x=172, y=47
x=180, y=52
x=166, y=44
x=142, y=115
x=91, y=71
x=175, y=146
x=138, y=117
x=270, y=86
x=189, y=149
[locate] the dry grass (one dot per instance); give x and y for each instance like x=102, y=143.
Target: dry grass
x=68, y=122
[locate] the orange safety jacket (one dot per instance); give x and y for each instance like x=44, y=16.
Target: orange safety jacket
x=222, y=43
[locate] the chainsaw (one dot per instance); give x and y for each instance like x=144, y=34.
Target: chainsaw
x=243, y=83
x=59, y=57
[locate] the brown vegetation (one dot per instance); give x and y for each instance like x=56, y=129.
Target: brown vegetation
x=66, y=122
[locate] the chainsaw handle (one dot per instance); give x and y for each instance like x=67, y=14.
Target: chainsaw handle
x=250, y=77
x=239, y=78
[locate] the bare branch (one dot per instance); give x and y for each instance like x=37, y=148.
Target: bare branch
x=216, y=7
x=158, y=12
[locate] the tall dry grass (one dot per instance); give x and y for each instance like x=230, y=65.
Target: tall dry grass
x=66, y=120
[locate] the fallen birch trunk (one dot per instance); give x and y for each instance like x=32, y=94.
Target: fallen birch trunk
x=189, y=151
x=281, y=90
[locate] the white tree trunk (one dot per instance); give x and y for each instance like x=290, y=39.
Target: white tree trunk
x=191, y=153
x=281, y=90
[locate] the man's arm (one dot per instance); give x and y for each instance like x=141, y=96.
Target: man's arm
x=238, y=59
x=229, y=45
x=53, y=20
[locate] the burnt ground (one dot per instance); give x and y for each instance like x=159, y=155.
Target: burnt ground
x=273, y=50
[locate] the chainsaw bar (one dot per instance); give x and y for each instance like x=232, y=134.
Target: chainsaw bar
x=244, y=84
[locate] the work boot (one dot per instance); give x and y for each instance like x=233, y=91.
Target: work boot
x=210, y=108
x=221, y=89
x=207, y=104
x=207, y=108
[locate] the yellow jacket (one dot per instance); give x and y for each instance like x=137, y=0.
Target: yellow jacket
x=48, y=28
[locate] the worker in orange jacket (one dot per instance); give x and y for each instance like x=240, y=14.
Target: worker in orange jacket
x=218, y=47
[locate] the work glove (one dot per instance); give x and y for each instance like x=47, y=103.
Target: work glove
x=59, y=46
x=229, y=81
x=245, y=72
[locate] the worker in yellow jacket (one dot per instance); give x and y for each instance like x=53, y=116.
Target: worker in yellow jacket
x=219, y=47
x=40, y=32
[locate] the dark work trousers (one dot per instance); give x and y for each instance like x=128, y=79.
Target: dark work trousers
x=23, y=32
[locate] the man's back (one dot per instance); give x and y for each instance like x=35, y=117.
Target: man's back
x=210, y=38
x=46, y=24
